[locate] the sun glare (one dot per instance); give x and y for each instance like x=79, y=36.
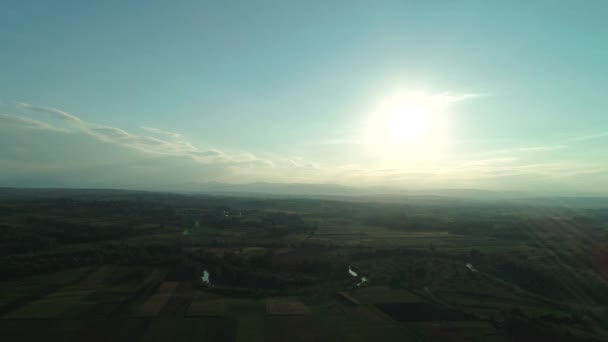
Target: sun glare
x=407, y=122
x=407, y=125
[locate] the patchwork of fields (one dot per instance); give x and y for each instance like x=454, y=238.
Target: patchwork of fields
x=101, y=268
x=114, y=303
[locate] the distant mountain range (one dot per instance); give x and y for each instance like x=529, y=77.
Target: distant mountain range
x=330, y=191
x=263, y=188
x=333, y=190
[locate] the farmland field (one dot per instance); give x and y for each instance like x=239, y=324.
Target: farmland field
x=300, y=270
x=156, y=302
x=286, y=306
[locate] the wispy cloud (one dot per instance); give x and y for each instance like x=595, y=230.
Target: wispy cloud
x=588, y=137
x=29, y=123
x=451, y=97
x=540, y=148
x=563, y=144
x=209, y=153
x=161, y=132
x=342, y=141
x=525, y=149
x=485, y=162
x=53, y=111
x=151, y=145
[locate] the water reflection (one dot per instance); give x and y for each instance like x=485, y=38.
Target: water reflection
x=355, y=274
x=205, y=277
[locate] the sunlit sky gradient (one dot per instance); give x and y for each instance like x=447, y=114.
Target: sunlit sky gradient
x=149, y=94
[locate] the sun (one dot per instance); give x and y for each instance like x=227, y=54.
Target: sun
x=407, y=125
x=407, y=122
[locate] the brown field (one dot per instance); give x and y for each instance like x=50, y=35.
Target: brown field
x=297, y=328
x=180, y=301
x=218, y=251
x=369, y=313
x=383, y=294
x=206, y=304
x=98, y=304
x=156, y=302
x=286, y=306
x=293, y=256
x=253, y=251
x=53, y=305
x=347, y=299
x=457, y=331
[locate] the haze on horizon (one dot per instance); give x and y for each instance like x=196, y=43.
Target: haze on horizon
x=492, y=95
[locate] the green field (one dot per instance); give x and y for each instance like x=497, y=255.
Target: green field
x=282, y=270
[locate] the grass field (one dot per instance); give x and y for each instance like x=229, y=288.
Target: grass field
x=353, y=328
x=156, y=302
x=382, y=294
x=286, y=306
x=250, y=318
x=280, y=272
x=96, y=293
x=53, y=305
x=206, y=304
x=457, y=331
x=33, y=330
x=14, y=294
x=189, y=329
x=179, y=302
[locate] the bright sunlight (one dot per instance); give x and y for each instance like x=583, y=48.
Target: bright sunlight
x=407, y=122
x=408, y=125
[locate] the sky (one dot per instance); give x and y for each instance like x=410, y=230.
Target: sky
x=495, y=95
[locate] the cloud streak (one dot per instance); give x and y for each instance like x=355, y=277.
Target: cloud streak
x=142, y=143
x=161, y=132
x=526, y=149
x=29, y=123
x=588, y=137
x=53, y=111
x=450, y=98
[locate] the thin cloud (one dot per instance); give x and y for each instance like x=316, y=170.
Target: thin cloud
x=208, y=153
x=450, y=97
x=297, y=162
x=53, y=111
x=161, y=132
x=124, y=138
x=540, y=148
x=588, y=137
x=485, y=162
x=153, y=145
x=546, y=148
x=30, y=123
x=342, y=141
x=532, y=149
x=111, y=133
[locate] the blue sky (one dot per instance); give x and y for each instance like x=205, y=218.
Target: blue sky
x=146, y=94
